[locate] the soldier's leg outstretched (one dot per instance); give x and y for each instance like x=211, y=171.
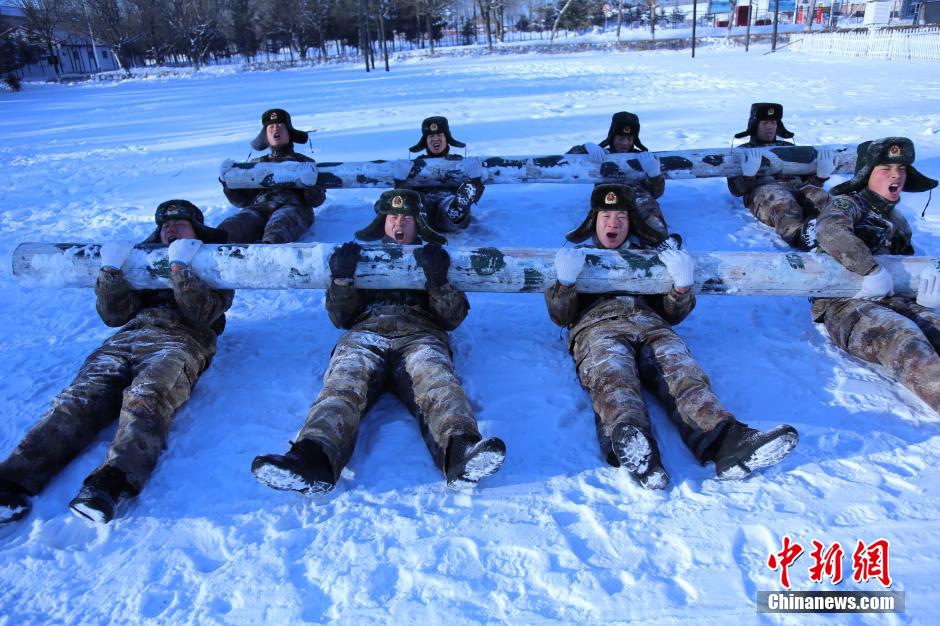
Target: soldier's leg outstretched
x=607, y=368
x=354, y=378
x=287, y=224
x=90, y=402
x=774, y=205
x=246, y=226
x=874, y=332
x=424, y=379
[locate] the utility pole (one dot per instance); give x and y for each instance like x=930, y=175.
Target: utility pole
x=694, y=20
x=773, y=45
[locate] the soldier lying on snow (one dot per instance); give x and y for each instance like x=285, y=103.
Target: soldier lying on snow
x=898, y=333
x=396, y=339
x=140, y=375
x=788, y=204
x=623, y=137
x=621, y=342
x=447, y=207
x=277, y=215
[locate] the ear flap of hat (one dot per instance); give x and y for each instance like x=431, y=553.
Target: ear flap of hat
x=584, y=230
x=426, y=232
x=260, y=142
x=782, y=130
x=917, y=182
x=207, y=234
x=375, y=230
x=862, y=170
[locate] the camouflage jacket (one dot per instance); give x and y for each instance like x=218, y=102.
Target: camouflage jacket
x=744, y=185
x=578, y=311
x=190, y=305
x=654, y=186
x=854, y=227
x=276, y=198
x=443, y=189
x=397, y=312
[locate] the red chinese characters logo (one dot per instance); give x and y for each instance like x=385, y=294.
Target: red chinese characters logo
x=868, y=561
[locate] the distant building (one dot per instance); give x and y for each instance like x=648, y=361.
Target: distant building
x=75, y=52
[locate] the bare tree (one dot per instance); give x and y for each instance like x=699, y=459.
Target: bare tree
x=561, y=14
x=44, y=17
x=112, y=24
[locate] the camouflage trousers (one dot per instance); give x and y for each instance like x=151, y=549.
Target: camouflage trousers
x=615, y=357
x=896, y=333
x=785, y=208
x=648, y=224
x=417, y=368
x=141, y=377
x=441, y=210
x=260, y=224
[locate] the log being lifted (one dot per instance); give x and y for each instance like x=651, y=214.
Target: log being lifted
x=526, y=270
x=566, y=168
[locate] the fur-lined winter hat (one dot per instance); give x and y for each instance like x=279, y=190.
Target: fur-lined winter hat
x=399, y=202
x=885, y=151
x=624, y=123
x=185, y=210
x=277, y=116
x=431, y=125
x=606, y=197
x=762, y=112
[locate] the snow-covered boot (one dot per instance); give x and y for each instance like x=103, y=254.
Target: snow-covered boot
x=305, y=468
x=14, y=502
x=469, y=460
x=745, y=449
x=808, y=240
x=100, y=495
x=638, y=454
x=458, y=209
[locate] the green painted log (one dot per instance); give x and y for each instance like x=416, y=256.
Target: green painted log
x=567, y=168
x=305, y=266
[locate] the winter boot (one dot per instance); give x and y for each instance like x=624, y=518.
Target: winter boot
x=672, y=242
x=100, y=495
x=14, y=502
x=470, y=460
x=808, y=235
x=305, y=468
x=745, y=449
x=638, y=453
x=458, y=209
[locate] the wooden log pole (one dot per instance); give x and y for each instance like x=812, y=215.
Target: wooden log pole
x=566, y=168
x=524, y=270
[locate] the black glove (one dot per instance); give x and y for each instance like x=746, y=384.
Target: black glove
x=435, y=262
x=344, y=259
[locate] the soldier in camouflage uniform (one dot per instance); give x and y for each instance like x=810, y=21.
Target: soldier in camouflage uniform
x=447, y=207
x=397, y=339
x=141, y=375
x=621, y=342
x=623, y=137
x=277, y=215
x=898, y=333
x=788, y=204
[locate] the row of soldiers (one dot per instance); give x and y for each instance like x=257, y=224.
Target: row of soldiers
x=398, y=339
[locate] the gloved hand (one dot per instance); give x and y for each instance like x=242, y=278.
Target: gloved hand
x=182, y=251
x=344, y=260
x=227, y=164
x=595, y=152
x=928, y=291
x=401, y=169
x=876, y=286
x=308, y=174
x=650, y=164
x=435, y=262
x=825, y=162
x=750, y=159
x=473, y=167
x=568, y=265
x=114, y=253
x=681, y=266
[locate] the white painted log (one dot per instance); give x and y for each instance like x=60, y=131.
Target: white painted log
x=306, y=266
x=567, y=168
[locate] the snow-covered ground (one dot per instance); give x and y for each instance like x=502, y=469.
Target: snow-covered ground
x=557, y=536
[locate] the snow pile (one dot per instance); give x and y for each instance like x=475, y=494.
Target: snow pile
x=557, y=536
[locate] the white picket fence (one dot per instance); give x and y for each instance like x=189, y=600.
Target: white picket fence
x=920, y=44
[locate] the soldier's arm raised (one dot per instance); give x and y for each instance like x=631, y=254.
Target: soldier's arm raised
x=449, y=306
x=835, y=232
x=674, y=306
x=197, y=302
x=115, y=301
